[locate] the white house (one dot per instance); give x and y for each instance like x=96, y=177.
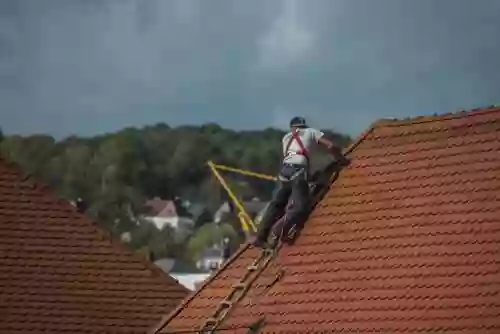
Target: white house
x=254, y=208
x=165, y=212
x=190, y=281
x=210, y=259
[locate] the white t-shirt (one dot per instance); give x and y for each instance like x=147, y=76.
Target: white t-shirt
x=309, y=137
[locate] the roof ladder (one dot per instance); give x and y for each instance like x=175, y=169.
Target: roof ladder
x=239, y=290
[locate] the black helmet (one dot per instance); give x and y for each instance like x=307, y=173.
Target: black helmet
x=299, y=122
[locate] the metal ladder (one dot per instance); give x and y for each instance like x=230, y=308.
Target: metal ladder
x=239, y=289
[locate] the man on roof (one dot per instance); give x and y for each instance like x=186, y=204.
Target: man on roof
x=293, y=177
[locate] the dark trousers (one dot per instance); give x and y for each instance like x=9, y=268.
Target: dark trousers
x=292, y=184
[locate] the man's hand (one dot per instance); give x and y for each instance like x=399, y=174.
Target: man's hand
x=343, y=161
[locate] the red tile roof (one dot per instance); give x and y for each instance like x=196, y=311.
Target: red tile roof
x=161, y=208
x=59, y=273
x=407, y=240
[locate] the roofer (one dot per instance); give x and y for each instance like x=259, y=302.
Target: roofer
x=293, y=177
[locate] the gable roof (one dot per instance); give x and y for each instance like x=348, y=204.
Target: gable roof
x=161, y=208
x=406, y=240
x=59, y=273
x=197, y=210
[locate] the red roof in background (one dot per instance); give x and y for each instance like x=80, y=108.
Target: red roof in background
x=59, y=273
x=161, y=208
x=407, y=240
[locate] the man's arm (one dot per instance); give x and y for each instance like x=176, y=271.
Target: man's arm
x=328, y=144
x=319, y=137
x=332, y=147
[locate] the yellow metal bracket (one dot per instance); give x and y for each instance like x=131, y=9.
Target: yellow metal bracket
x=243, y=172
x=249, y=226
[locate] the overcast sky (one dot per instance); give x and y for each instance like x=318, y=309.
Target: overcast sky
x=92, y=66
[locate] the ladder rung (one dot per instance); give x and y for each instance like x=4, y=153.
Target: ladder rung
x=239, y=285
x=259, y=260
x=227, y=303
x=210, y=321
x=222, y=306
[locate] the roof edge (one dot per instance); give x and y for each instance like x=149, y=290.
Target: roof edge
x=123, y=248
x=115, y=243
x=360, y=139
x=389, y=122
x=169, y=317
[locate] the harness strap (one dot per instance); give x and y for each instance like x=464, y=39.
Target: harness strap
x=295, y=135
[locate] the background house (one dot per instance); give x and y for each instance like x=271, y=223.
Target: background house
x=186, y=276
x=199, y=212
x=171, y=213
x=211, y=258
x=227, y=210
x=191, y=281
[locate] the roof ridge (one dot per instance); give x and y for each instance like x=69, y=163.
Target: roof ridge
x=101, y=233
x=390, y=122
x=121, y=247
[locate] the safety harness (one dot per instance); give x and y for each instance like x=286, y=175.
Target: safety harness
x=303, y=151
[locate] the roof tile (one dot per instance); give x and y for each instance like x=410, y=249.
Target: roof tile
x=60, y=273
x=406, y=241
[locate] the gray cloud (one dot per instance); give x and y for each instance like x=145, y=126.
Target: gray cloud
x=69, y=66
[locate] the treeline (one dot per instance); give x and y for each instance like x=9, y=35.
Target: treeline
x=115, y=173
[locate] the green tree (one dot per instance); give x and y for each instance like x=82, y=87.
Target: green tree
x=161, y=243
x=31, y=153
x=209, y=235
